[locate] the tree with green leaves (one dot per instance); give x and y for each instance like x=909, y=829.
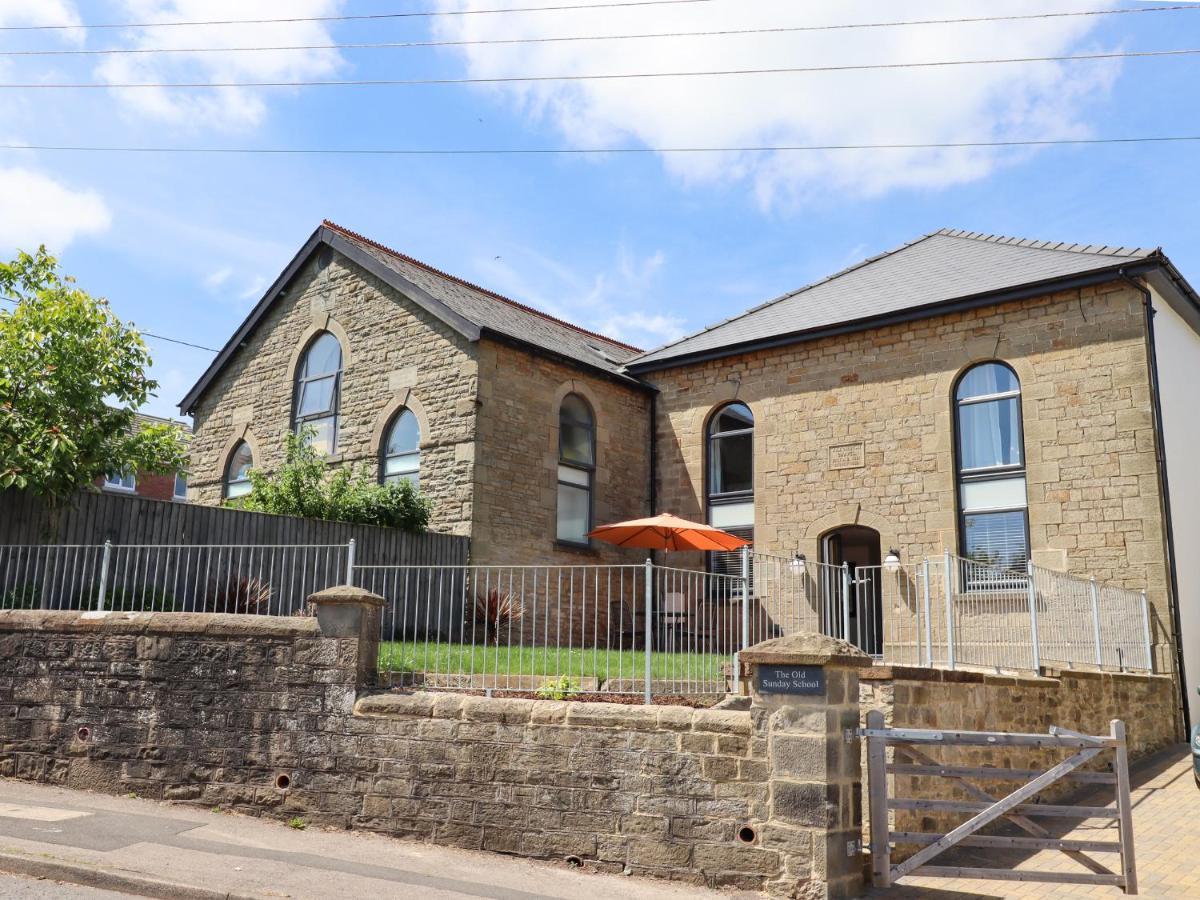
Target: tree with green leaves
x=72, y=376
x=303, y=486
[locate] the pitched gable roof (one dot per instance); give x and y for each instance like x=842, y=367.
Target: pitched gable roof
x=920, y=278
x=471, y=310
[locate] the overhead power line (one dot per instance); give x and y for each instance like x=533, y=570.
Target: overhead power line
x=726, y=32
x=419, y=14
x=149, y=334
x=580, y=151
x=609, y=76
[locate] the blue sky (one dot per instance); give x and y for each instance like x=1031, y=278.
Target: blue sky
x=644, y=247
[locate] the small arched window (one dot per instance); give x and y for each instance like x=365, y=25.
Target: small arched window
x=576, y=469
x=402, y=450
x=994, y=520
x=730, y=479
x=237, y=471
x=318, y=391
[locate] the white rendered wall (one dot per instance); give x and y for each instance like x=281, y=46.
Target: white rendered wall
x=1178, y=350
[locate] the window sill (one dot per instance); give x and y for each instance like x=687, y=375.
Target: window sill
x=571, y=546
x=112, y=489
x=334, y=458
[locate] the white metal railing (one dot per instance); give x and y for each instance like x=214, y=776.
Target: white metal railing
x=561, y=630
x=252, y=579
x=619, y=628
x=950, y=611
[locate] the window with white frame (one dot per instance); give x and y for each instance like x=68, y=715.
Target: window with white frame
x=318, y=392
x=120, y=481
x=730, y=479
x=237, y=471
x=401, y=450
x=180, y=491
x=993, y=509
x=576, y=469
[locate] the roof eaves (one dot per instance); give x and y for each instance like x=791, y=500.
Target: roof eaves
x=941, y=307
x=260, y=308
x=333, y=226
x=331, y=238
x=787, y=296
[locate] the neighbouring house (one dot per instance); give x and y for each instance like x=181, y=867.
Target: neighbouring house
x=150, y=484
x=1009, y=400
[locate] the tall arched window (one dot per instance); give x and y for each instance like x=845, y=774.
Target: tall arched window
x=994, y=520
x=318, y=391
x=237, y=471
x=402, y=450
x=576, y=468
x=730, y=479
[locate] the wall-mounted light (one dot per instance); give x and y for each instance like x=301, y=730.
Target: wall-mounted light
x=892, y=561
x=798, y=562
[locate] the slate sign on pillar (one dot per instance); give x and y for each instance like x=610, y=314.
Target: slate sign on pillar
x=805, y=680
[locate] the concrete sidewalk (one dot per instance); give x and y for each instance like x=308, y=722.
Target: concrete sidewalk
x=158, y=850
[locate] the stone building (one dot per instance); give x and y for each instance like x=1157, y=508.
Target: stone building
x=1008, y=400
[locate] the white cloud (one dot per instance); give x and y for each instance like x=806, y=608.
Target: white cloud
x=36, y=209
x=42, y=12
x=216, y=279
x=219, y=108
x=962, y=103
x=618, y=300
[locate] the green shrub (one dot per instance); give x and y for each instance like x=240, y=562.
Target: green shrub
x=26, y=596
x=304, y=487
x=557, y=689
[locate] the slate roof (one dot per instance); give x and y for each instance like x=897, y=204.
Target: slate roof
x=497, y=313
x=471, y=310
x=925, y=274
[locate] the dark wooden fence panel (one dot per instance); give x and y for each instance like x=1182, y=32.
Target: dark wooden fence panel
x=93, y=518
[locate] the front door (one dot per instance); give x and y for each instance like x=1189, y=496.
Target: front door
x=858, y=547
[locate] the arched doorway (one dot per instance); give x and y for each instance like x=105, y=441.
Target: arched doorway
x=860, y=618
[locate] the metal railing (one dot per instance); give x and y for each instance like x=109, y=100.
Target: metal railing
x=252, y=579
x=560, y=630
x=629, y=629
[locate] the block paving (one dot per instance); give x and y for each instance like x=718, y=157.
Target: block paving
x=1166, y=826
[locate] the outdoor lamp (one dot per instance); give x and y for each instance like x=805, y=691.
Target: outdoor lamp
x=798, y=562
x=892, y=561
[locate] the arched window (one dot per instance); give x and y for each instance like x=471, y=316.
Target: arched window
x=237, y=471
x=402, y=450
x=318, y=390
x=994, y=520
x=576, y=468
x=730, y=479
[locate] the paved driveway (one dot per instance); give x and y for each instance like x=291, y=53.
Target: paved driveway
x=1166, y=827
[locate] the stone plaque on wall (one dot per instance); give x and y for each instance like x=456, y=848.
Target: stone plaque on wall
x=789, y=679
x=848, y=456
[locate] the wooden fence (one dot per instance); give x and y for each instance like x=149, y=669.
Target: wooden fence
x=93, y=518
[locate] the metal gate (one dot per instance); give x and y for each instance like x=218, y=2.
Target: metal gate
x=1016, y=807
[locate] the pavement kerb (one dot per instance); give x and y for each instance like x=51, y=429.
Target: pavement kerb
x=89, y=876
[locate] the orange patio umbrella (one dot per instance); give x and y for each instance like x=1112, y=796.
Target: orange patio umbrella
x=667, y=532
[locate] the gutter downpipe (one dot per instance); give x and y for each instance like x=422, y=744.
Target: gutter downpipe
x=1160, y=452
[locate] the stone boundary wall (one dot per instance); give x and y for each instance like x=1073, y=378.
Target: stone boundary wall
x=217, y=710
x=1086, y=701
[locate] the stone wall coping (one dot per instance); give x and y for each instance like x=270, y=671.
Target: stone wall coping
x=208, y=624
x=519, y=710
x=974, y=676
x=346, y=593
x=805, y=649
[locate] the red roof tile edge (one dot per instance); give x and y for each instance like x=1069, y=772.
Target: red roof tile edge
x=521, y=306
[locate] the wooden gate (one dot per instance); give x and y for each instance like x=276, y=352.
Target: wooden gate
x=1016, y=807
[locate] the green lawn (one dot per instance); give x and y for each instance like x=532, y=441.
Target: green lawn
x=469, y=659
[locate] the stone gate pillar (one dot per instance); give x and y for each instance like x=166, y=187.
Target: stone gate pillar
x=351, y=612
x=804, y=701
